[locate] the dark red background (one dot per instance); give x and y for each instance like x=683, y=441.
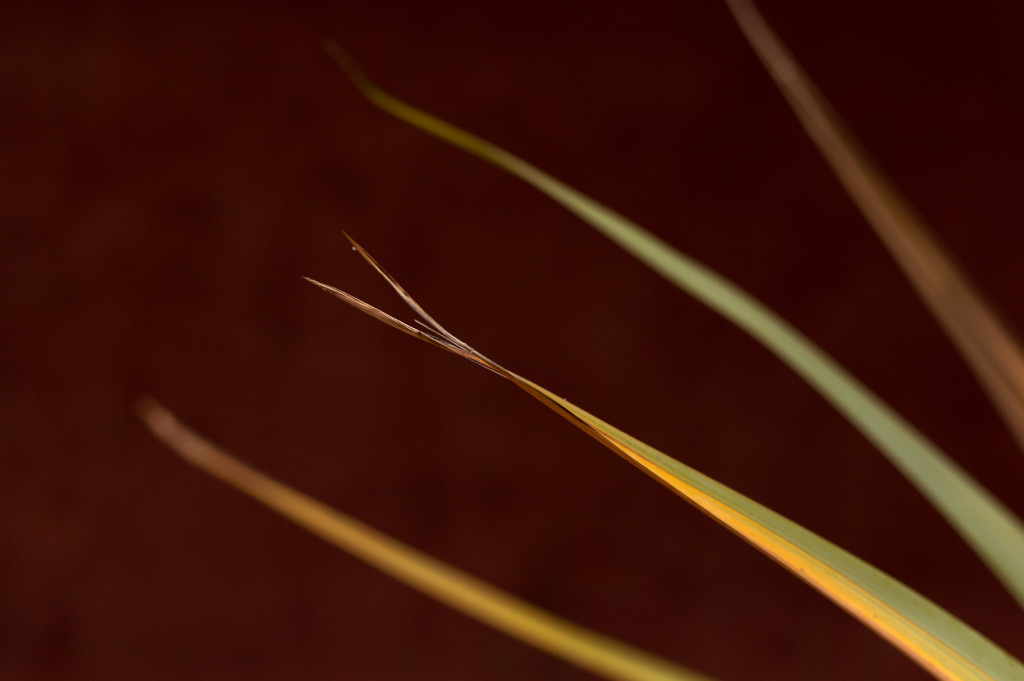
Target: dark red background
x=169, y=171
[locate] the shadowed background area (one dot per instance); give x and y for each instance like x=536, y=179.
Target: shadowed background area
x=170, y=171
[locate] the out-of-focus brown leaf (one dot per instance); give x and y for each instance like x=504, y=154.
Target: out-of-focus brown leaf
x=989, y=348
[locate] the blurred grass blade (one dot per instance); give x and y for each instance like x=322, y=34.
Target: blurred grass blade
x=991, y=530
x=988, y=346
x=936, y=640
x=589, y=650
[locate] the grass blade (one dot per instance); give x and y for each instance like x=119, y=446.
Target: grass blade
x=994, y=533
x=589, y=650
x=986, y=344
x=939, y=642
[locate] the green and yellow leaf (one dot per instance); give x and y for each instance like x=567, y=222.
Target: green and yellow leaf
x=994, y=533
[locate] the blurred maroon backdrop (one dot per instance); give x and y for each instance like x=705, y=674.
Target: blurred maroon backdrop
x=170, y=170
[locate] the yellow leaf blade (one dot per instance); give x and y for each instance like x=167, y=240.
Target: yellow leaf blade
x=986, y=344
x=935, y=639
x=580, y=646
x=992, y=531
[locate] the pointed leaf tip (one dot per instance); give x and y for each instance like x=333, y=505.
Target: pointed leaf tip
x=936, y=640
x=334, y=51
x=347, y=64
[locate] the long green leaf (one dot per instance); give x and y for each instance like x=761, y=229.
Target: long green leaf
x=990, y=528
x=984, y=341
x=587, y=649
x=936, y=640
